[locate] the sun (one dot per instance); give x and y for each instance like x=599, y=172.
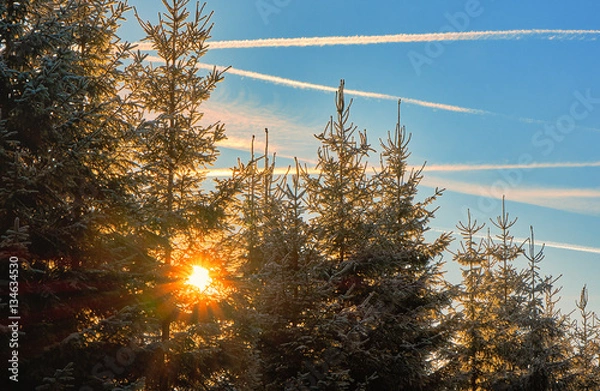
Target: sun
x=199, y=278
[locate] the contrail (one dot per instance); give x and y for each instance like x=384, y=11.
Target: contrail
x=321, y=87
x=376, y=95
x=398, y=38
x=531, y=195
x=579, y=200
x=558, y=245
x=572, y=247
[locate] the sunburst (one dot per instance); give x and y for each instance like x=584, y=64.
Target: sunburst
x=200, y=278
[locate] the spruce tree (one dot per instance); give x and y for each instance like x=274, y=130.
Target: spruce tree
x=509, y=334
x=543, y=359
x=173, y=147
x=586, y=344
x=259, y=206
x=339, y=199
x=179, y=220
x=401, y=220
x=291, y=294
x=63, y=182
x=279, y=268
x=340, y=194
x=61, y=120
x=406, y=295
x=468, y=361
x=506, y=300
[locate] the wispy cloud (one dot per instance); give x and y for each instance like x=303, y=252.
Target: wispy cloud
x=399, y=38
x=527, y=120
x=470, y=167
x=549, y=34
x=288, y=136
x=225, y=172
x=573, y=247
x=576, y=200
x=484, y=167
x=584, y=201
x=523, y=195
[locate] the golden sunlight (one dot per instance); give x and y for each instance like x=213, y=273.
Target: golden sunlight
x=199, y=278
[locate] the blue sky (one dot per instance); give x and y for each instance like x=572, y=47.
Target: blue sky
x=524, y=115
